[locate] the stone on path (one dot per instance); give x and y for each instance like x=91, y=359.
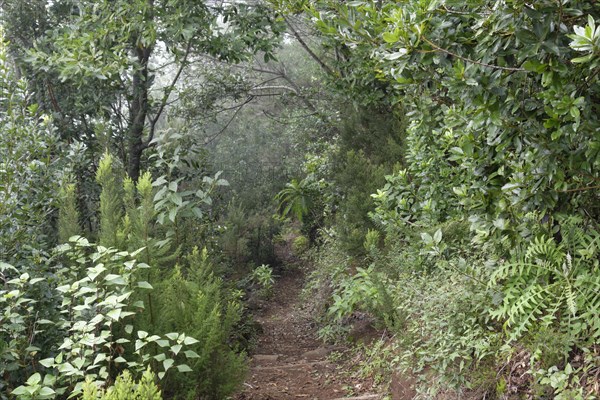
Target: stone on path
x=265, y=358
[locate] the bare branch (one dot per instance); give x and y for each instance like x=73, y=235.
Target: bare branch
x=273, y=87
x=166, y=94
x=239, y=107
x=298, y=37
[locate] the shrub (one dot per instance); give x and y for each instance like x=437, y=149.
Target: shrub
x=300, y=245
x=194, y=299
x=551, y=284
x=263, y=277
x=124, y=388
x=94, y=290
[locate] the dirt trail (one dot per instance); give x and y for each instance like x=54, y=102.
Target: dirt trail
x=290, y=362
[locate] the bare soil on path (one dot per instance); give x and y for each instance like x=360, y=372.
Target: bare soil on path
x=290, y=362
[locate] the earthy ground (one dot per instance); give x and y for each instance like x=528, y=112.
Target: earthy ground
x=290, y=362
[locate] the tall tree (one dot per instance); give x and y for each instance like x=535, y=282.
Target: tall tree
x=122, y=61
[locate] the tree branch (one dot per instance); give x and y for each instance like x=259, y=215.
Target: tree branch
x=581, y=189
x=167, y=93
x=438, y=48
x=324, y=66
x=239, y=107
x=273, y=87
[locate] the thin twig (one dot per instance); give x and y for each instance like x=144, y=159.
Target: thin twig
x=438, y=48
x=582, y=189
x=287, y=120
x=324, y=66
x=167, y=93
x=248, y=100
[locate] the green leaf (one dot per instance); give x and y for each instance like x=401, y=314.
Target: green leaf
x=391, y=37
x=113, y=279
x=46, y=392
x=184, y=368
x=168, y=363
x=47, y=362
x=534, y=66
x=144, y=285
x=584, y=59
x=190, y=340
x=191, y=354
x=437, y=236
x=114, y=314
x=176, y=348
x=20, y=391
x=34, y=379
x=173, y=214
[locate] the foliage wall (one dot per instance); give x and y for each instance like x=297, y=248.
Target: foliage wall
x=485, y=231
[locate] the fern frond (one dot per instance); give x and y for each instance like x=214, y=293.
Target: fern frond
x=571, y=298
x=553, y=284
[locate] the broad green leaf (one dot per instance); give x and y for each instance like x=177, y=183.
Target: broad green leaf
x=168, y=363
x=184, y=368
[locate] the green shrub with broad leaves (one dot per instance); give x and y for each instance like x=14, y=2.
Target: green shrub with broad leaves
x=87, y=337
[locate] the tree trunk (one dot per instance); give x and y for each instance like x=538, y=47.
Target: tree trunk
x=138, y=113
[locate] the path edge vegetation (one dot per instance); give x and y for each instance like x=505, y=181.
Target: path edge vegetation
x=478, y=253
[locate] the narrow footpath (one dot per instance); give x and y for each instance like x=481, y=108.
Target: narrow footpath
x=290, y=362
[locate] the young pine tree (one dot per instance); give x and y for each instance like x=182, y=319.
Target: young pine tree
x=200, y=304
x=68, y=216
x=111, y=203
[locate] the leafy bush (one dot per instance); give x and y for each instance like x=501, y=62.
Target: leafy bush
x=300, y=245
x=29, y=169
x=95, y=290
x=263, y=277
